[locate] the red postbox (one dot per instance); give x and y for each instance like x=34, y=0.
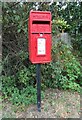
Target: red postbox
x=39, y=31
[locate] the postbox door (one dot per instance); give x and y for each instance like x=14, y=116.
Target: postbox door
x=40, y=48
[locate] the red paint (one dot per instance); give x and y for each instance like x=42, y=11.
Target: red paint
x=39, y=31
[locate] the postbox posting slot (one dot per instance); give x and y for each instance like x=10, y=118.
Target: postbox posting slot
x=41, y=26
x=41, y=22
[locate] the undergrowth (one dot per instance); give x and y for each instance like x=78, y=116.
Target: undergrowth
x=64, y=72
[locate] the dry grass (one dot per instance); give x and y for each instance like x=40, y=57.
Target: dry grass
x=57, y=104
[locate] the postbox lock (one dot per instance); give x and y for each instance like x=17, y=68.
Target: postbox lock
x=41, y=34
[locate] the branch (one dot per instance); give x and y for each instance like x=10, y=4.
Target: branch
x=15, y=4
x=6, y=27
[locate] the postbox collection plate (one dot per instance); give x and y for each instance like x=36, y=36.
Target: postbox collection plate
x=41, y=46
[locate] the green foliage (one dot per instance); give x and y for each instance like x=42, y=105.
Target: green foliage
x=65, y=72
x=25, y=97
x=17, y=96
x=27, y=75
x=61, y=24
x=8, y=84
x=18, y=74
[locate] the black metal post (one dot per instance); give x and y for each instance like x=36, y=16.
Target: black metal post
x=38, y=72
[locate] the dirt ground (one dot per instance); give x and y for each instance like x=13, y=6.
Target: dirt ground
x=56, y=104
